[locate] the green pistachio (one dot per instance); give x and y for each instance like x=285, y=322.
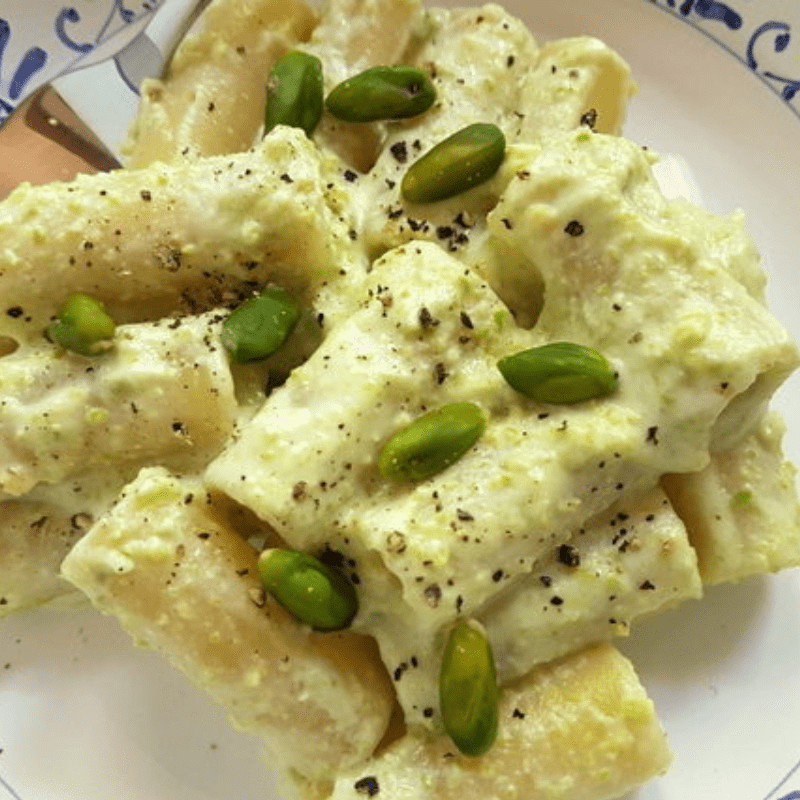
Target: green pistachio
x=294, y=93
x=258, y=327
x=382, y=93
x=463, y=160
x=560, y=372
x=82, y=326
x=468, y=692
x=431, y=443
x=311, y=591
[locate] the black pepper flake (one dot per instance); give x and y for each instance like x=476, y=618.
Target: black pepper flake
x=444, y=231
x=146, y=195
x=428, y=712
x=211, y=106
x=368, y=786
x=440, y=373
x=509, y=225
x=204, y=535
x=433, y=594
x=517, y=714
x=510, y=61
x=15, y=312
x=464, y=516
x=286, y=178
x=399, y=670
x=178, y=427
x=546, y=580
x=556, y=600
x=497, y=575
x=574, y=228
x=459, y=604
x=88, y=245
x=466, y=321
x=350, y=176
x=569, y=556
x=589, y=119
x=400, y=151
x=299, y=490
x=652, y=434
x=3, y=601
x=647, y=586
x=334, y=558
x=426, y=319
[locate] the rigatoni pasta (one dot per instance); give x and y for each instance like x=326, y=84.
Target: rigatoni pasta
x=212, y=100
x=561, y=521
x=164, y=561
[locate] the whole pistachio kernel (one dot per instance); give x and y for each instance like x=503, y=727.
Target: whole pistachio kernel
x=468, y=692
x=260, y=325
x=560, y=373
x=311, y=591
x=382, y=93
x=294, y=93
x=466, y=159
x=83, y=326
x=431, y=443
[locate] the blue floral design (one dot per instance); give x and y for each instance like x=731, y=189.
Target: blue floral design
x=33, y=61
x=755, y=42
x=782, y=39
x=710, y=9
x=14, y=81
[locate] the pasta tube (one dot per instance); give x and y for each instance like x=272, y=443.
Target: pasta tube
x=212, y=99
x=354, y=35
x=164, y=392
x=170, y=238
x=742, y=510
x=581, y=728
x=429, y=332
x=180, y=581
x=631, y=561
x=531, y=93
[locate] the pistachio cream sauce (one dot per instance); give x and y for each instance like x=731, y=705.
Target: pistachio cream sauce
x=383, y=389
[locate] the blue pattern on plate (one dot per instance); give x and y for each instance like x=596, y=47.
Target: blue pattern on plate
x=69, y=49
x=11, y=793
x=760, y=37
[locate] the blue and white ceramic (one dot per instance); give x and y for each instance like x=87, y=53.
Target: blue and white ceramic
x=83, y=716
x=41, y=40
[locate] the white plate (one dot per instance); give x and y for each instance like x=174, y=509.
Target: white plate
x=84, y=716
